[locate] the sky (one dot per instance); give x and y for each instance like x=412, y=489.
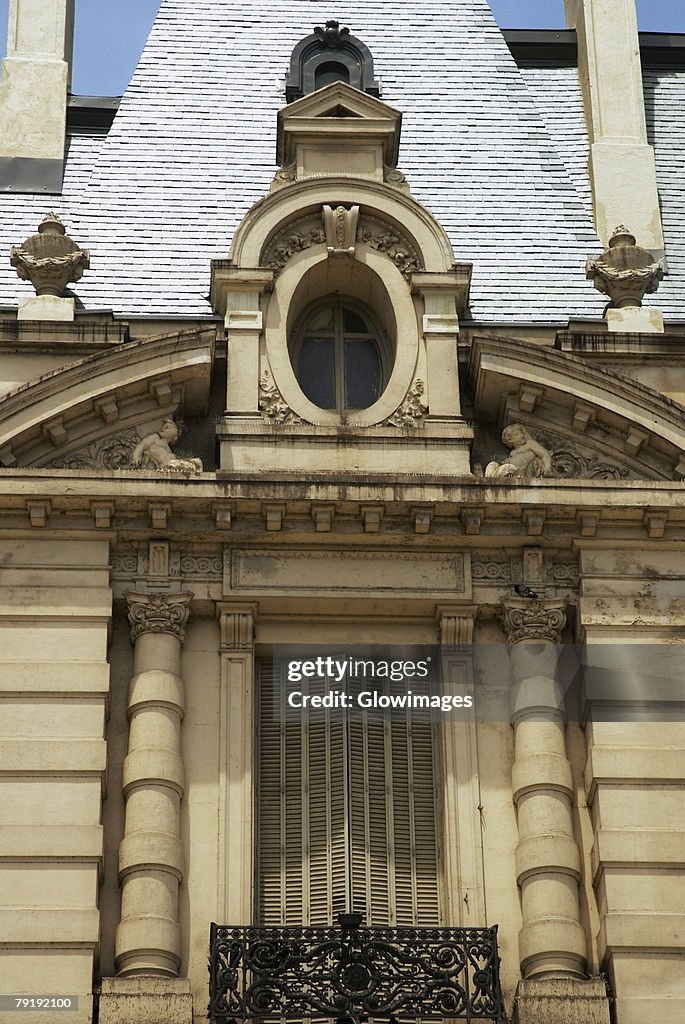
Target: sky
x=110, y=34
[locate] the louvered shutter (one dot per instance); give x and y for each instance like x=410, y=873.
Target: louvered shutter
x=346, y=814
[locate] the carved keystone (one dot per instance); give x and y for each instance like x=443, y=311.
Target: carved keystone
x=341, y=225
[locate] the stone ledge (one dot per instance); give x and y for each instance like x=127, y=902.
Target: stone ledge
x=561, y=1001
x=631, y=847
x=24, y=926
x=77, y=756
x=634, y=764
x=634, y=931
x=50, y=842
x=146, y=1000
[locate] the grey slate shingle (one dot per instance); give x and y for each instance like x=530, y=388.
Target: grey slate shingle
x=192, y=148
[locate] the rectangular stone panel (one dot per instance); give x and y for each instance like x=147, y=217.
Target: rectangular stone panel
x=332, y=573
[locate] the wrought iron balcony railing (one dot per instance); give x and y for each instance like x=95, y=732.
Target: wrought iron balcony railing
x=391, y=974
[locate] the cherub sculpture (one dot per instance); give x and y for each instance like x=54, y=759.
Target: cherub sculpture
x=154, y=452
x=527, y=458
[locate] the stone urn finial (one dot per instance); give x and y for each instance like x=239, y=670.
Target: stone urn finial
x=625, y=271
x=50, y=260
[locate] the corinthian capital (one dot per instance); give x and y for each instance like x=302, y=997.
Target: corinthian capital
x=158, y=613
x=533, y=619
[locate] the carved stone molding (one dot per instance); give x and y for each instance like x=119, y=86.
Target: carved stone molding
x=128, y=450
x=391, y=241
x=284, y=176
x=237, y=626
x=625, y=271
x=124, y=564
x=49, y=259
x=393, y=176
x=491, y=572
x=296, y=237
x=205, y=566
x=455, y=625
x=573, y=461
x=272, y=405
x=412, y=411
x=533, y=619
x=308, y=231
x=158, y=613
x=113, y=452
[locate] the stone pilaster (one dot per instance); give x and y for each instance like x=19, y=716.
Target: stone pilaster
x=443, y=297
x=236, y=758
x=151, y=862
x=622, y=168
x=237, y=294
x=465, y=886
x=552, y=941
x=33, y=95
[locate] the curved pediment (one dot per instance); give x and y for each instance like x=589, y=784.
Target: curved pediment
x=595, y=423
x=105, y=396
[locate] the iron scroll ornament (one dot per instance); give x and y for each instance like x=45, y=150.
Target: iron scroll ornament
x=300, y=973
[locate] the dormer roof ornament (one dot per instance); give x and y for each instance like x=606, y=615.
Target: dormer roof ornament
x=49, y=259
x=330, y=54
x=625, y=271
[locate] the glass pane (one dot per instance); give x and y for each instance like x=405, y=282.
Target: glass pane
x=317, y=371
x=320, y=321
x=354, y=323
x=362, y=373
x=330, y=72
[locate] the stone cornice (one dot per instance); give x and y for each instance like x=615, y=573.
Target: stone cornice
x=158, y=613
x=533, y=619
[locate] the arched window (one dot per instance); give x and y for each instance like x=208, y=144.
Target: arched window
x=340, y=355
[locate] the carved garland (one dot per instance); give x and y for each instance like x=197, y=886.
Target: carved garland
x=272, y=405
x=308, y=231
x=412, y=412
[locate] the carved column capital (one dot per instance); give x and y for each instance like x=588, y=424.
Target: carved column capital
x=237, y=626
x=533, y=619
x=158, y=613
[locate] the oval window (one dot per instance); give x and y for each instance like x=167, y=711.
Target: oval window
x=339, y=355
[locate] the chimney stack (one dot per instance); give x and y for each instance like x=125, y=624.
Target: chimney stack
x=36, y=78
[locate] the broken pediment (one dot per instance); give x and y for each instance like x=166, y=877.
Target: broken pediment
x=593, y=423
x=338, y=130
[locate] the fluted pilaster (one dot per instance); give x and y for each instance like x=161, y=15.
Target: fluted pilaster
x=465, y=887
x=236, y=760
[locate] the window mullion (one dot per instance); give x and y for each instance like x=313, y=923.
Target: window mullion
x=340, y=396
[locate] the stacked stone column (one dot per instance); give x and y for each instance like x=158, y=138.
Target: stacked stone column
x=148, y=940
x=552, y=942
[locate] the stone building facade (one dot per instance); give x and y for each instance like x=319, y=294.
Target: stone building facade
x=363, y=334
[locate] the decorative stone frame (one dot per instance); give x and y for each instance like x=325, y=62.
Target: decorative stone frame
x=290, y=296
x=248, y=291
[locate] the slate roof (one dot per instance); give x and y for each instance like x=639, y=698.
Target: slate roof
x=556, y=93
x=192, y=147
x=21, y=214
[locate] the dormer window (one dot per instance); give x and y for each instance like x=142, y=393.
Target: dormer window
x=330, y=55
